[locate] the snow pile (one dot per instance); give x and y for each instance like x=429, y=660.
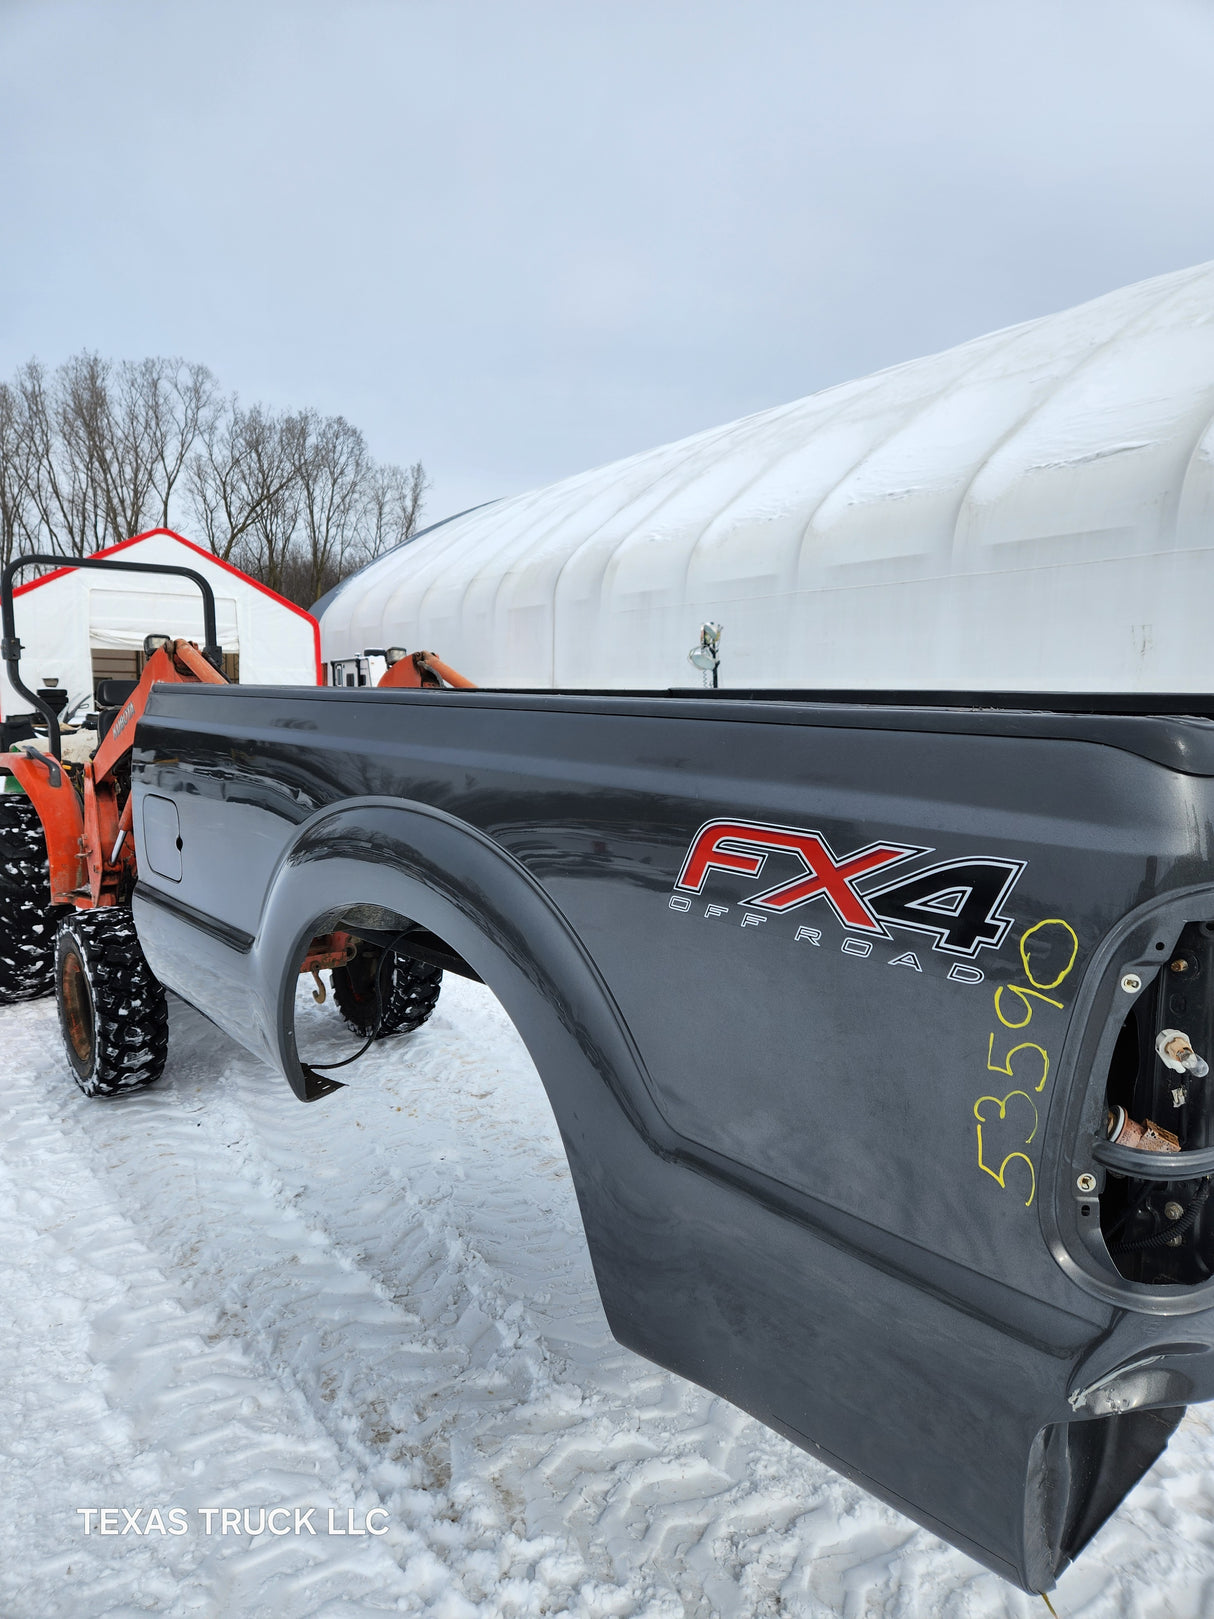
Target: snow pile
x=216, y=1298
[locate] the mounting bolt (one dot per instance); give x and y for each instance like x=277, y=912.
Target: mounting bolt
x=1180, y=965
x=1173, y=1211
x=1131, y=983
x=1086, y=1183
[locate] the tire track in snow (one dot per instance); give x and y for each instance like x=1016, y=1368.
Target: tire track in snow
x=403, y=1264
x=120, y=1391
x=283, y=1289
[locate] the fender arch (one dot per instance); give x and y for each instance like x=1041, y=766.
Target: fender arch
x=436, y=870
x=426, y=865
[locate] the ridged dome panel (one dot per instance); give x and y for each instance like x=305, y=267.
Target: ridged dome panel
x=1033, y=509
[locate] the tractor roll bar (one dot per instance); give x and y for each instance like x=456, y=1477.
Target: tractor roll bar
x=10, y=646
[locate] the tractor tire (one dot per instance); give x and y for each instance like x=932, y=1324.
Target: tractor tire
x=112, y=1012
x=411, y=990
x=27, y=918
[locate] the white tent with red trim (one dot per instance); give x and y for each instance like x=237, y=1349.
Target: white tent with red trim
x=1031, y=510
x=72, y=622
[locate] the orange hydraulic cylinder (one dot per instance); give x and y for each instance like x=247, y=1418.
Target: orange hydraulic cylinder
x=410, y=672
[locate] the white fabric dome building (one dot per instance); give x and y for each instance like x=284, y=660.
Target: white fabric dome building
x=1033, y=510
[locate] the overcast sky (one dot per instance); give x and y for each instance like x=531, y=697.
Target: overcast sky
x=516, y=238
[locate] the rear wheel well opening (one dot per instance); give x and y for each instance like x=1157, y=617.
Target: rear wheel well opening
x=534, y=1113
x=383, y=976
x=378, y=928
x=466, y=1104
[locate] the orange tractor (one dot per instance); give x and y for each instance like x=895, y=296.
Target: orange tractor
x=67, y=868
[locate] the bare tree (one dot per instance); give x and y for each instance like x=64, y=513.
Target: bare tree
x=157, y=409
x=296, y=499
x=333, y=469
x=186, y=404
x=103, y=446
x=18, y=519
x=105, y=426
x=269, y=447
x=393, y=507
x=56, y=441
x=242, y=469
x=99, y=450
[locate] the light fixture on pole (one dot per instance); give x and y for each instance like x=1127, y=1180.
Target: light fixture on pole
x=707, y=655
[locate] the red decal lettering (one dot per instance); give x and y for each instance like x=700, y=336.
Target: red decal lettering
x=740, y=846
x=709, y=852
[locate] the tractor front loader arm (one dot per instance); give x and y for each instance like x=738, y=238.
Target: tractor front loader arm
x=178, y=661
x=88, y=844
x=108, y=850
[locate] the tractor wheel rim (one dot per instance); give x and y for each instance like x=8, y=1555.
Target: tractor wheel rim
x=78, y=1008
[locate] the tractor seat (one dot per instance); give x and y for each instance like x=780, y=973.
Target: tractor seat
x=113, y=693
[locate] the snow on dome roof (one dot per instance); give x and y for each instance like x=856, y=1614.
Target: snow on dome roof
x=1031, y=510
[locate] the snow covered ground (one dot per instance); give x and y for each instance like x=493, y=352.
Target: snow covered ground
x=212, y=1297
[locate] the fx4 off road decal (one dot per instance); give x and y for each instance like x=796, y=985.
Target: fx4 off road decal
x=957, y=903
